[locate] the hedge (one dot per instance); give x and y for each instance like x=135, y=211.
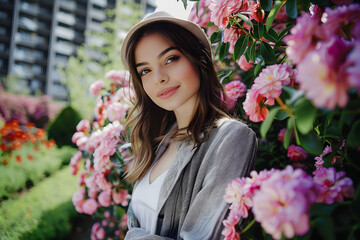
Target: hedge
x=16, y=176
x=44, y=212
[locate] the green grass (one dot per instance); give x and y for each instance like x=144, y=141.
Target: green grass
x=44, y=212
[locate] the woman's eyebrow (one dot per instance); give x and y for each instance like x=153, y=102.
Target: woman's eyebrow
x=160, y=55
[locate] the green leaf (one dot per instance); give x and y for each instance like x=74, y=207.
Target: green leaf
x=310, y=142
x=353, y=139
x=270, y=19
x=240, y=46
x=271, y=35
x=289, y=128
x=266, y=4
x=305, y=114
x=245, y=19
x=258, y=30
x=284, y=32
x=224, y=50
x=281, y=115
x=291, y=8
x=258, y=68
x=267, y=52
x=325, y=227
x=185, y=3
x=216, y=37
x=355, y=210
x=265, y=126
x=250, y=52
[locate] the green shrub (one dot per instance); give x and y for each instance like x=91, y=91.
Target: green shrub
x=64, y=126
x=45, y=212
x=16, y=176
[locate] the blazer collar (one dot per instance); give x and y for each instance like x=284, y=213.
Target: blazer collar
x=184, y=155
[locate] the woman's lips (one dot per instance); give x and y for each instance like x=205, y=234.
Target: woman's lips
x=167, y=92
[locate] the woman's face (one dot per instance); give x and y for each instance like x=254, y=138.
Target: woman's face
x=168, y=77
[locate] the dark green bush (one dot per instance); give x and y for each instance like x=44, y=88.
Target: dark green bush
x=64, y=126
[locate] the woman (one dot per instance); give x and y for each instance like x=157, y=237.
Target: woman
x=186, y=148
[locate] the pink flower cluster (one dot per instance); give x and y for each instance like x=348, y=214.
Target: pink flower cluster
x=296, y=153
x=120, y=77
x=111, y=224
x=96, y=87
x=234, y=90
x=266, y=88
x=326, y=54
x=281, y=199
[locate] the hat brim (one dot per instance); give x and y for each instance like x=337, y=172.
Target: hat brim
x=163, y=16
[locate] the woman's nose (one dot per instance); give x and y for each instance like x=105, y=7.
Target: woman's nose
x=161, y=77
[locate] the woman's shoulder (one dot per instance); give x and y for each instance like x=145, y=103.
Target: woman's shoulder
x=231, y=125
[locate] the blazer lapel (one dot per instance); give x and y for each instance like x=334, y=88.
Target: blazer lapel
x=184, y=155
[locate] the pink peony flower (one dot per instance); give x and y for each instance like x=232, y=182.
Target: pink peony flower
x=333, y=186
x=231, y=35
x=123, y=220
x=202, y=18
x=235, y=89
x=270, y=81
x=316, y=12
x=336, y=20
x=77, y=136
x=353, y=63
x=75, y=162
x=321, y=74
x=257, y=13
x=237, y=195
x=120, y=77
x=90, y=206
x=120, y=197
x=296, y=153
x=219, y=13
x=104, y=198
x=83, y=126
x=303, y=38
x=83, y=176
x=102, y=154
x=319, y=162
x=281, y=16
x=97, y=232
x=244, y=64
x=78, y=200
x=281, y=135
x=102, y=183
x=282, y=203
x=116, y=111
x=254, y=106
x=229, y=231
x=96, y=87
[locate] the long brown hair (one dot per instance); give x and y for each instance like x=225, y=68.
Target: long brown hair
x=149, y=121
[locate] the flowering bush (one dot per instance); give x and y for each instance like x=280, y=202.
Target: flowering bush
x=299, y=61
x=103, y=148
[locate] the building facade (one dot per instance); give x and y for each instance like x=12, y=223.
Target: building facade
x=38, y=36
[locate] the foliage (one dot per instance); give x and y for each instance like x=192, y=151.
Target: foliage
x=44, y=162
x=45, y=212
x=83, y=69
x=63, y=126
x=303, y=103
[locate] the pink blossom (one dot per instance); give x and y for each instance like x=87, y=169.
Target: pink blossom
x=319, y=162
x=236, y=6
x=90, y=206
x=83, y=176
x=74, y=162
x=335, y=20
x=202, y=18
x=231, y=35
x=333, y=186
x=83, y=126
x=104, y=198
x=229, y=231
x=120, y=197
x=92, y=186
x=77, y=136
x=282, y=203
x=353, y=63
x=236, y=194
x=235, y=89
x=279, y=27
x=281, y=15
x=102, y=154
x=102, y=183
x=303, y=38
x=254, y=106
x=321, y=74
x=120, y=77
x=244, y=64
x=253, y=184
x=219, y=13
x=97, y=232
x=116, y=111
x=270, y=81
x=96, y=87
x=296, y=153
x=257, y=13
x=78, y=200
x=281, y=135
x=316, y=12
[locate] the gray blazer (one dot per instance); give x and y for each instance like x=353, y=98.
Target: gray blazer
x=191, y=204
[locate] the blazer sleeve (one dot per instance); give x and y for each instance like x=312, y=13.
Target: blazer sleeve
x=231, y=155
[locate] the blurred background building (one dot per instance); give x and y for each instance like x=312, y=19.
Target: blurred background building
x=38, y=36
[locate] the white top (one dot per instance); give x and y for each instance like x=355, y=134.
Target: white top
x=144, y=200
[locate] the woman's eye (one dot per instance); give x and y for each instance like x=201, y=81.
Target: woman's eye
x=172, y=59
x=143, y=72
